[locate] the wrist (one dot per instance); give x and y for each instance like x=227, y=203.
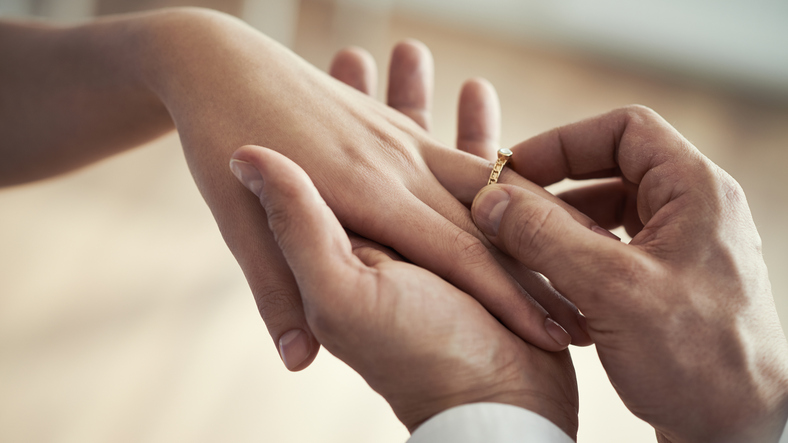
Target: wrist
x=766, y=425
x=193, y=57
x=553, y=396
x=561, y=414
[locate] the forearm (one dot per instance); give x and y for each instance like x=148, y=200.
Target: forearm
x=71, y=95
x=216, y=75
x=226, y=85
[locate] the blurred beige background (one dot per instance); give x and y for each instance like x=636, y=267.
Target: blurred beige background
x=123, y=318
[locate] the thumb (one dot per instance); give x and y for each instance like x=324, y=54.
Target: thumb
x=546, y=238
x=311, y=238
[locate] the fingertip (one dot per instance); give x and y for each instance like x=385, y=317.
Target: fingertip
x=585, y=338
x=245, y=151
x=479, y=101
x=478, y=119
x=298, y=349
x=557, y=333
x=411, y=50
x=477, y=89
x=355, y=67
x=411, y=76
x=272, y=165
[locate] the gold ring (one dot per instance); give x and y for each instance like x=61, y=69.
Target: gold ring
x=503, y=157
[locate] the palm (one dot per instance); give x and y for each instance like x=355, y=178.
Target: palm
x=410, y=323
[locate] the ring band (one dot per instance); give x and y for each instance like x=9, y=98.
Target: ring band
x=503, y=157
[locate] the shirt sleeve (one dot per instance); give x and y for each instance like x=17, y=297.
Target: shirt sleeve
x=784, y=437
x=489, y=423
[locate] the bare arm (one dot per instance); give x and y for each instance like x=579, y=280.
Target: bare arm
x=90, y=91
x=70, y=98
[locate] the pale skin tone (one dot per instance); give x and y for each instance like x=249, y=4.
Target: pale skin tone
x=422, y=344
x=117, y=86
x=712, y=366
x=73, y=95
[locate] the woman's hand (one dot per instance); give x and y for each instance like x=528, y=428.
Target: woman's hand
x=120, y=79
x=383, y=176
x=421, y=343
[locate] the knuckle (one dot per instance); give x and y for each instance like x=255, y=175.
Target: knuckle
x=623, y=273
x=279, y=305
x=638, y=112
x=730, y=190
x=280, y=212
x=529, y=236
x=392, y=143
x=723, y=193
x=278, y=222
x=470, y=250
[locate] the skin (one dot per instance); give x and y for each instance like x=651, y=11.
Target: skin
x=683, y=317
x=397, y=324
x=692, y=280
x=124, y=80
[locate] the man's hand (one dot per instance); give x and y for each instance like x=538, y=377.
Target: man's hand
x=421, y=343
x=683, y=316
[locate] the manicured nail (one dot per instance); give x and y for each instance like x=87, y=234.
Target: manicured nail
x=488, y=210
x=558, y=333
x=602, y=231
x=248, y=175
x=294, y=347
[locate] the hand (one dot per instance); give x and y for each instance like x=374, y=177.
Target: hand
x=421, y=343
x=126, y=79
x=682, y=316
x=379, y=171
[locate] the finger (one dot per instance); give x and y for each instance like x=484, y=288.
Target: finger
x=372, y=253
x=355, y=67
x=312, y=241
x=631, y=142
x=274, y=288
x=277, y=297
x=465, y=175
x=545, y=237
x=610, y=204
x=411, y=81
x=479, y=119
x=534, y=285
x=440, y=245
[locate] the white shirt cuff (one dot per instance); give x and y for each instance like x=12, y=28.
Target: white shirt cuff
x=488, y=423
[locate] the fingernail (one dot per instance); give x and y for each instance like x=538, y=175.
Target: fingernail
x=248, y=175
x=582, y=322
x=602, y=231
x=558, y=333
x=488, y=210
x=294, y=347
